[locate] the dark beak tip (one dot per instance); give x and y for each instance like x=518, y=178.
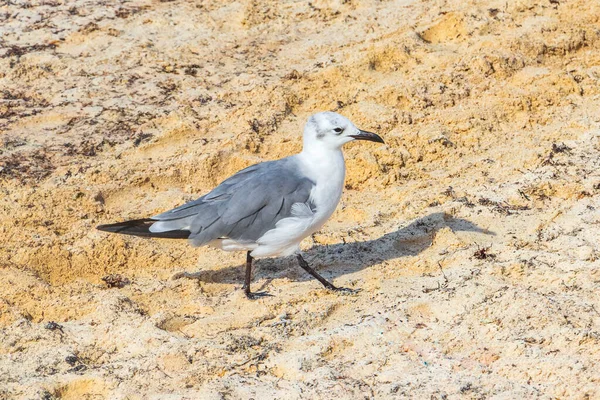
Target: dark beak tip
x=370, y=136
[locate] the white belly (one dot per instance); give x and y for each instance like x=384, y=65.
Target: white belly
x=328, y=173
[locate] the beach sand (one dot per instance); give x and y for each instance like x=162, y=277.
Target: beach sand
x=473, y=233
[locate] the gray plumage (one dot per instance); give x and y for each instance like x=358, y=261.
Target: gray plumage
x=243, y=207
x=269, y=208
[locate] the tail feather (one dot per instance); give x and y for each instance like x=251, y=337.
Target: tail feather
x=141, y=227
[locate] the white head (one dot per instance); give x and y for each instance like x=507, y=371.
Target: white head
x=329, y=130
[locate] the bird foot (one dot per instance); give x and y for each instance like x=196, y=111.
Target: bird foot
x=345, y=291
x=257, y=295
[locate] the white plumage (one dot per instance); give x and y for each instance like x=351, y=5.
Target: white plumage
x=266, y=209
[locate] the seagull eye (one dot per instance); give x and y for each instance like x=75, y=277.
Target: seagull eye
x=338, y=130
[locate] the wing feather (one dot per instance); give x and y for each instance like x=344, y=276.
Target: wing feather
x=244, y=206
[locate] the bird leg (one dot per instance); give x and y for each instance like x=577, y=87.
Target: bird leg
x=246, y=287
x=304, y=265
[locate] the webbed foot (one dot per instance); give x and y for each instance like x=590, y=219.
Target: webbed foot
x=256, y=295
x=344, y=290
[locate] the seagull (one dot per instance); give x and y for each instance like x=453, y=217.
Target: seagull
x=268, y=208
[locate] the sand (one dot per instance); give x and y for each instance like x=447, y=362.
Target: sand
x=473, y=233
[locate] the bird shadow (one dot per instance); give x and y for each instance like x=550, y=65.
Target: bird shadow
x=333, y=261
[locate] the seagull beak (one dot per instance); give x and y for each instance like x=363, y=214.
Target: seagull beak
x=364, y=135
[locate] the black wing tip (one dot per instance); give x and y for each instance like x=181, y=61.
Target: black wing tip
x=119, y=226
x=141, y=227
x=106, y=228
x=113, y=228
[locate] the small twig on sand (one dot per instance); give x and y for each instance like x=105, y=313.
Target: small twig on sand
x=443, y=273
x=443, y=286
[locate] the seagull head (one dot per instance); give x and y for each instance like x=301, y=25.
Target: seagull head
x=329, y=130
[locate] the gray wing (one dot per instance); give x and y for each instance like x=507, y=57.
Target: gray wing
x=243, y=207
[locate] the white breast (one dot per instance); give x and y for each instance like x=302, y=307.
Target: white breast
x=328, y=171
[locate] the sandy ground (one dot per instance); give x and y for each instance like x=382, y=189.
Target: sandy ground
x=474, y=233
